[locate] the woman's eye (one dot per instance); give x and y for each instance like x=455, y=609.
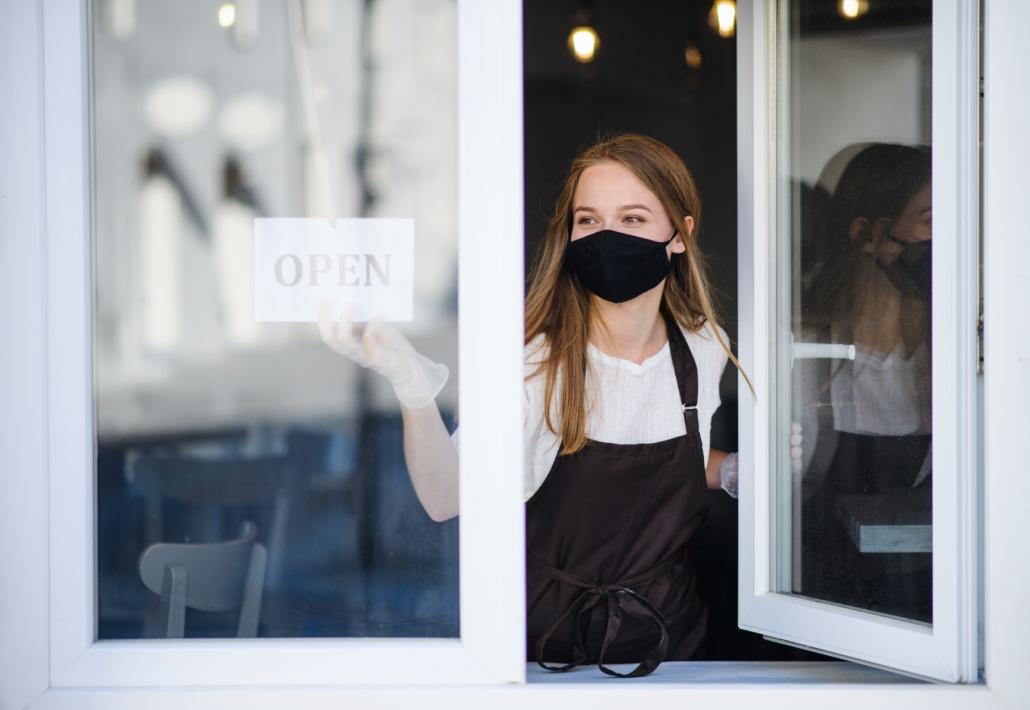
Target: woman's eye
x=583, y=220
x=634, y=217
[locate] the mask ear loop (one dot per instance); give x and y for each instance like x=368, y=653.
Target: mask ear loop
x=676, y=254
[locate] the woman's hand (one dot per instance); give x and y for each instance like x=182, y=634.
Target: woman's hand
x=415, y=378
x=728, y=470
x=796, y=451
x=728, y=464
x=713, y=469
x=429, y=452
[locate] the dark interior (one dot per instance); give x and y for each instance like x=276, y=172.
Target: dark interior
x=639, y=82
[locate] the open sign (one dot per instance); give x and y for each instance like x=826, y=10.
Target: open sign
x=345, y=269
x=368, y=263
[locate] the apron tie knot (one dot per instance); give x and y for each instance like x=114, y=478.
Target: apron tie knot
x=619, y=598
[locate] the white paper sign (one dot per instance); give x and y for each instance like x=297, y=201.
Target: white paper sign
x=365, y=262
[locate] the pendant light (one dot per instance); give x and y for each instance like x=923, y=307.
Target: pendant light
x=723, y=17
x=583, y=39
x=852, y=9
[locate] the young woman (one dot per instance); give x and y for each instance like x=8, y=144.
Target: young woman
x=623, y=361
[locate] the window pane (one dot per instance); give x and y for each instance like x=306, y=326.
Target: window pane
x=219, y=417
x=853, y=305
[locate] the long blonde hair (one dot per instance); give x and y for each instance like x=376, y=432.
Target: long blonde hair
x=559, y=307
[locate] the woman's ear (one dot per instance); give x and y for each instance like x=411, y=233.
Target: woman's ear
x=679, y=245
x=860, y=233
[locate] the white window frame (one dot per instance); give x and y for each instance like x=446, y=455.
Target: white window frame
x=947, y=650
x=492, y=605
x=33, y=165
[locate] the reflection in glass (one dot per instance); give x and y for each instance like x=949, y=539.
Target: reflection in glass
x=260, y=472
x=855, y=371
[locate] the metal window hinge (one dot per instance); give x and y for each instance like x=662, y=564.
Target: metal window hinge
x=980, y=340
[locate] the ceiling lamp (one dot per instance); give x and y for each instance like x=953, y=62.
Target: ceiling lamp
x=250, y=120
x=693, y=56
x=120, y=17
x=583, y=39
x=178, y=106
x=852, y=9
x=227, y=15
x=723, y=17
x=584, y=43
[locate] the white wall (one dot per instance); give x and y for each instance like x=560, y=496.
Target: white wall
x=850, y=89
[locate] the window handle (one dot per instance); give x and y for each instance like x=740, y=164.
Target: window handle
x=812, y=351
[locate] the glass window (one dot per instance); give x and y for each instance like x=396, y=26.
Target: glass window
x=853, y=247
x=249, y=479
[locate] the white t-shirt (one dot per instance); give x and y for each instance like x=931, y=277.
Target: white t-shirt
x=627, y=403
x=883, y=395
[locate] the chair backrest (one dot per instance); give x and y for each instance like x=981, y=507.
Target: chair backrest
x=205, y=482
x=212, y=481
x=212, y=576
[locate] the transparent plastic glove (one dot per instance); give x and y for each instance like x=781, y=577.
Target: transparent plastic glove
x=415, y=378
x=795, y=447
x=729, y=468
x=728, y=471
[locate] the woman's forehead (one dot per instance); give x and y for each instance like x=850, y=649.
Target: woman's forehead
x=920, y=201
x=609, y=185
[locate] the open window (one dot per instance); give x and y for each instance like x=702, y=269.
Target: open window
x=859, y=524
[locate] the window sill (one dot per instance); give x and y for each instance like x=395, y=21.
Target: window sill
x=735, y=672
x=722, y=685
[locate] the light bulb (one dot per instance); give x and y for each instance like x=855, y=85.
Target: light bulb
x=584, y=43
x=693, y=56
x=852, y=9
x=227, y=15
x=723, y=17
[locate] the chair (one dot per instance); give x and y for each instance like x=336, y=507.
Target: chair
x=211, y=577
x=212, y=485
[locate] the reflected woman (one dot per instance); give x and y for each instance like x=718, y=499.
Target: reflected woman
x=869, y=418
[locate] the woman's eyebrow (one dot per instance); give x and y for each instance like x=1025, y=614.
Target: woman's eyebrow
x=621, y=209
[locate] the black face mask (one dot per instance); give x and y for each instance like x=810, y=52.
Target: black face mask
x=910, y=271
x=618, y=266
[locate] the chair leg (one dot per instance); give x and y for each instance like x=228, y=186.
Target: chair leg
x=250, y=610
x=277, y=540
x=173, y=601
x=154, y=622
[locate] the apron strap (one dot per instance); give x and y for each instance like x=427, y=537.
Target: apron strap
x=626, y=598
x=619, y=598
x=686, y=373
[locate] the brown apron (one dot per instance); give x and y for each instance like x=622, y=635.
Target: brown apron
x=607, y=575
